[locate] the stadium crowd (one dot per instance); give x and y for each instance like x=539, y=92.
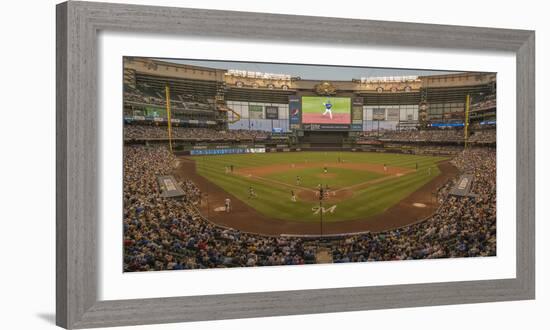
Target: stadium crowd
x=161, y=132
x=489, y=102
x=164, y=234
x=439, y=135
x=133, y=95
x=483, y=136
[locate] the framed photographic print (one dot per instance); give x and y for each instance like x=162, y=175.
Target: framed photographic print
x=216, y=165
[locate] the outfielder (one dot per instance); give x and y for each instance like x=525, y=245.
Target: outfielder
x=251, y=193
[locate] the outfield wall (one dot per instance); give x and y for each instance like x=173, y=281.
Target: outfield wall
x=185, y=147
x=227, y=151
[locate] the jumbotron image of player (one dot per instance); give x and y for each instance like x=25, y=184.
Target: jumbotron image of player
x=328, y=108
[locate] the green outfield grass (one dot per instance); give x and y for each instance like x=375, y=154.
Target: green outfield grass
x=273, y=189
x=314, y=104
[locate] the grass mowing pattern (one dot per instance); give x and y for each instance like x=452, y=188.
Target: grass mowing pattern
x=336, y=177
x=274, y=200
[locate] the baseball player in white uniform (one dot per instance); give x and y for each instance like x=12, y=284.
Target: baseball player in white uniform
x=227, y=205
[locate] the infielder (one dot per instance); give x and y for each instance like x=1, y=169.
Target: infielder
x=227, y=205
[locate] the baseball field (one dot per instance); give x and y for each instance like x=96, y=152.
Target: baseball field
x=355, y=186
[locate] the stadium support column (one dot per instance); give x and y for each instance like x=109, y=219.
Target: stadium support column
x=168, y=115
x=466, y=120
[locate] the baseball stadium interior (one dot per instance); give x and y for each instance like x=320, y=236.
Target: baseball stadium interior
x=188, y=130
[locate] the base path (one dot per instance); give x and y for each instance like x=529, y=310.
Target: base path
x=247, y=219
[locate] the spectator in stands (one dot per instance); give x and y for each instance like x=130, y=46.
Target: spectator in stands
x=199, y=134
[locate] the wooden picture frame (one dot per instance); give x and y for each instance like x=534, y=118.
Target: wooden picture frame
x=78, y=24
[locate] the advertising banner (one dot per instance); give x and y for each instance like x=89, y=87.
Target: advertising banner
x=271, y=112
x=256, y=112
x=358, y=101
x=155, y=111
x=392, y=114
x=295, y=111
x=379, y=114
x=357, y=110
x=357, y=127
x=228, y=151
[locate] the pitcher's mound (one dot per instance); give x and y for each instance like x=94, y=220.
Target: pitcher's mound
x=326, y=175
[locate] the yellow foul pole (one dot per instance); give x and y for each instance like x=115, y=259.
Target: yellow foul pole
x=169, y=117
x=466, y=120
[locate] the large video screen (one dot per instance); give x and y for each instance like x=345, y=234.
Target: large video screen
x=326, y=110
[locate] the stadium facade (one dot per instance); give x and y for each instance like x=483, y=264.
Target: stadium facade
x=241, y=100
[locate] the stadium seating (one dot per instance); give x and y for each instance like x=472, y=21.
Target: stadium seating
x=163, y=234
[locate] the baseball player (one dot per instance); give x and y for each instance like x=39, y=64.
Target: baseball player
x=251, y=192
x=227, y=204
x=328, y=109
x=292, y=196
